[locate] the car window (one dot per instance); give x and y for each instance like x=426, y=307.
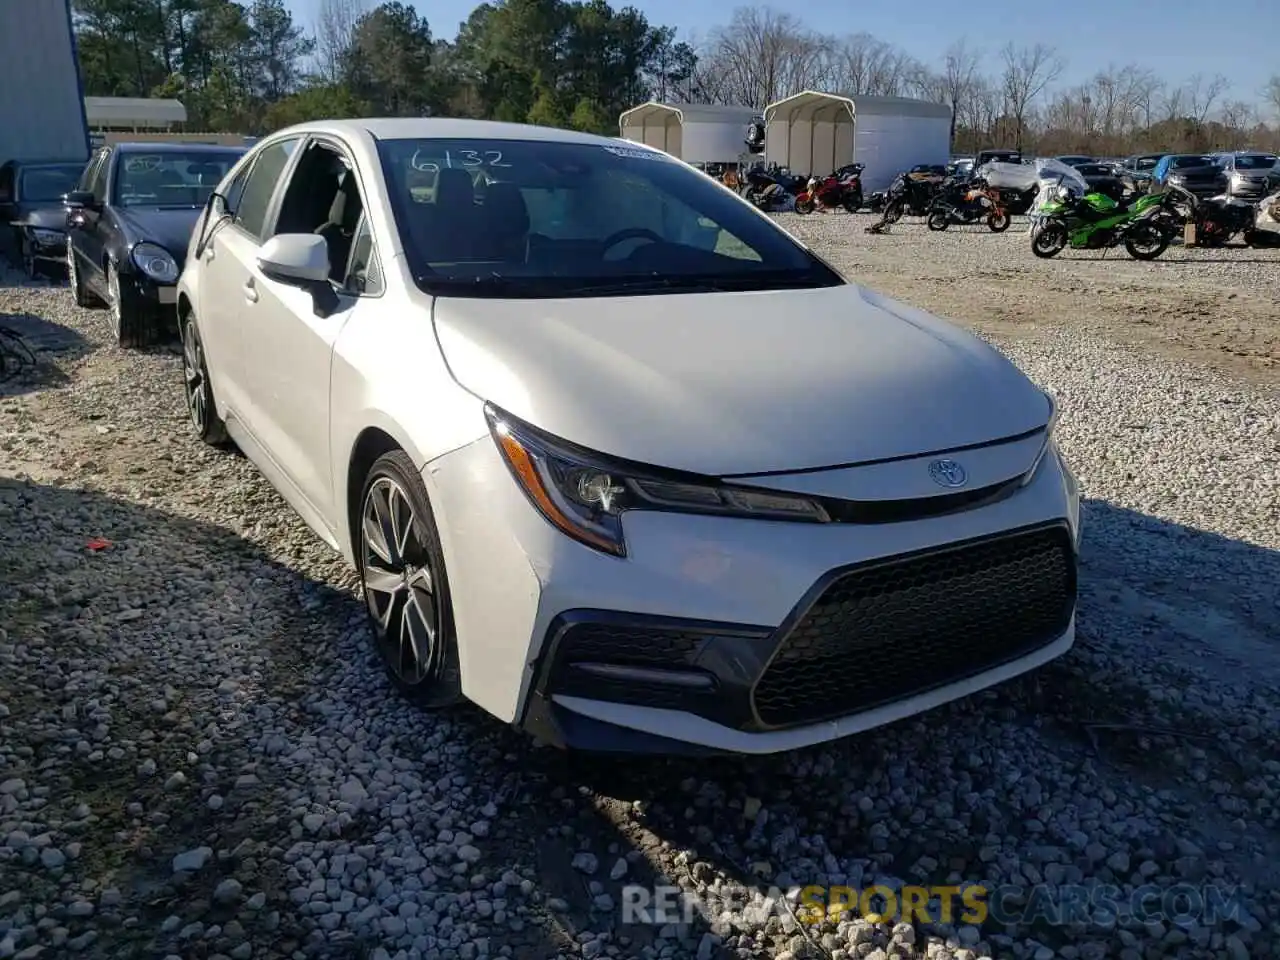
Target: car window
x=255, y=199
x=170, y=178
x=98, y=184
x=1255, y=161
x=323, y=197
x=6, y=183
x=47, y=183
x=363, y=275
x=567, y=214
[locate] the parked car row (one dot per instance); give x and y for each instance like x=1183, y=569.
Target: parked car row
x=118, y=226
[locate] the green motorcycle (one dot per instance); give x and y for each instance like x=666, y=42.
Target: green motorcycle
x=1095, y=222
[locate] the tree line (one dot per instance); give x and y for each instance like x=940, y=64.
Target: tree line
x=245, y=66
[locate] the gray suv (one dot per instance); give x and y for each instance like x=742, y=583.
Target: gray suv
x=1250, y=176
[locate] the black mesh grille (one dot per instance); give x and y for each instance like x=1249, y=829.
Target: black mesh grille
x=634, y=646
x=895, y=629
x=626, y=645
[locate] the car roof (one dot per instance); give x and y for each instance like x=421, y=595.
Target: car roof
x=176, y=147
x=445, y=128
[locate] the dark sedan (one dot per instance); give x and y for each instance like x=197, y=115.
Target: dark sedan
x=1101, y=178
x=1197, y=173
x=129, y=222
x=31, y=211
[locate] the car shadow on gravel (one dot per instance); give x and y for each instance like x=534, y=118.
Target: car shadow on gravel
x=167, y=688
x=32, y=349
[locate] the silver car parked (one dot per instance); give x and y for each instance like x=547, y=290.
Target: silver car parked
x=1250, y=176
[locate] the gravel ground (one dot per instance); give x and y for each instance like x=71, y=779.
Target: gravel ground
x=200, y=759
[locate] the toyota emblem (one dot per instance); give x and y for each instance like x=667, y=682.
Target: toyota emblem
x=947, y=473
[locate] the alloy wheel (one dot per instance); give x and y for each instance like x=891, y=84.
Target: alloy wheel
x=399, y=585
x=193, y=377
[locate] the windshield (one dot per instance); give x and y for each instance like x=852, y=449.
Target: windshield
x=525, y=218
x=1145, y=163
x=1093, y=170
x=1181, y=162
x=1255, y=161
x=46, y=184
x=170, y=178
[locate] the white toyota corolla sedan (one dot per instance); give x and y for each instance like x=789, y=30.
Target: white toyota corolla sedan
x=616, y=457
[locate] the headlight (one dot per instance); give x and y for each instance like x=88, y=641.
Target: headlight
x=1047, y=444
x=46, y=238
x=156, y=262
x=585, y=494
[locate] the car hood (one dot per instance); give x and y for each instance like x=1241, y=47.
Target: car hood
x=738, y=383
x=51, y=216
x=171, y=228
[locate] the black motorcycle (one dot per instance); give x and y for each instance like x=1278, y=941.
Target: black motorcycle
x=769, y=188
x=907, y=196
x=960, y=203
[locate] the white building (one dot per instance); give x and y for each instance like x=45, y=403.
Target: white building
x=41, y=111
x=815, y=133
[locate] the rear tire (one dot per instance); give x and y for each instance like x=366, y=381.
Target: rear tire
x=201, y=406
x=401, y=565
x=998, y=221
x=1145, y=241
x=1048, y=239
x=938, y=221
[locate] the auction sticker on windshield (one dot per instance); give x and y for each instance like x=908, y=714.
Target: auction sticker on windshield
x=636, y=154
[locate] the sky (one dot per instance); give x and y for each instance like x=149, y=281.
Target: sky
x=1174, y=38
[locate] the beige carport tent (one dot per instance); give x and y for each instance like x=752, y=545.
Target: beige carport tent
x=816, y=133
x=694, y=132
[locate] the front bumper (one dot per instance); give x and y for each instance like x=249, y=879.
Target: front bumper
x=729, y=635
x=46, y=250
x=155, y=294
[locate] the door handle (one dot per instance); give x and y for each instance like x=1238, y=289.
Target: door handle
x=250, y=291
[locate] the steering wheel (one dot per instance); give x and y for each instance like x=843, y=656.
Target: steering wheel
x=630, y=233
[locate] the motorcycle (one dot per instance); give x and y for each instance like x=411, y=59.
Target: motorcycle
x=1215, y=220
x=842, y=189
x=768, y=188
x=1093, y=221
x=907, y=195
x=966, y=203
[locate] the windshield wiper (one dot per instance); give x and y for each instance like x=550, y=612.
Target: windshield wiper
x=552, y=286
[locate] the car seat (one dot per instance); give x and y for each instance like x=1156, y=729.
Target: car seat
x=340, y=229
x=506, y=220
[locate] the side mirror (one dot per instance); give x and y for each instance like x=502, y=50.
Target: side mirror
x=301, y=260
x=80, y=200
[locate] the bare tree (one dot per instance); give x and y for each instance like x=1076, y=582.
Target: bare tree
x=335, y=27
x=1202, y=93
x=761, y=56
x=1027, y=72
x=1238, y=118
x=1272, y=94
x=956, y=81
x=862, y=64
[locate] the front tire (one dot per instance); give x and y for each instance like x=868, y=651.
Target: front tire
x=128, y=323
x=406, y=589
x=938, y=221
x=893, y=213
x=1048, y=239
x=201, y=407
x=805, y=206
x=998, y=221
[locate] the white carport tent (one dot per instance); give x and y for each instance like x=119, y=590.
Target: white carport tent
x=812, y=132
x=694, y=132
x=133, y=113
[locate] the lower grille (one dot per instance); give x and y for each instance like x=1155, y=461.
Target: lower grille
x=894, y=629
x=625, y=645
